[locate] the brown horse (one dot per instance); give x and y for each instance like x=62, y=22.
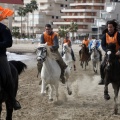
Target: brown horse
x=112, y=75
x=84, y=55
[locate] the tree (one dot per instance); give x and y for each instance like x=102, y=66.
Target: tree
x=21, y=12
x=28, y=9
x=15, y=32
x=62, y=31
x=34, y=7
x=73, y=28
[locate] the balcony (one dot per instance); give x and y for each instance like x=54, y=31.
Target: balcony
x=49, y=13
x=79, y=10
x=59, y=1
x=46, y=7
x=46, y=1
x=91, y=4
x=76, y=17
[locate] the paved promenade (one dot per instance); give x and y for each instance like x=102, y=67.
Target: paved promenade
x=30, y=48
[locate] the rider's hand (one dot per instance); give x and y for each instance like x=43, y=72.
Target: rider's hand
x=118, y=52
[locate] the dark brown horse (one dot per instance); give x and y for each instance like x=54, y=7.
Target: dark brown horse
x=16, y=69
x=84, y=56
x=112, y=74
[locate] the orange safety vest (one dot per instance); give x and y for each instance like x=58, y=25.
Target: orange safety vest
x=68, y=42
x=49, y=38
x=112, y=40
x=86, y=42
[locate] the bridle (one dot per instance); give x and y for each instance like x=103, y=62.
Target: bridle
x=41, y=54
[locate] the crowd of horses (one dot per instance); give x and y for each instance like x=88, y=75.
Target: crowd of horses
x=50, y=73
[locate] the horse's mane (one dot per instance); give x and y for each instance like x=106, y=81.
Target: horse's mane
x=52, y=55
x=111, y=47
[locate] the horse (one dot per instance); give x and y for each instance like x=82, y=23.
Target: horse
x=112, y=75
x=17, y=67
x=51, y=71
x=95, y=58
x=68, y=60
x=84, y=55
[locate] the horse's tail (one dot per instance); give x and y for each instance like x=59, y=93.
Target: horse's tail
x=20, y=66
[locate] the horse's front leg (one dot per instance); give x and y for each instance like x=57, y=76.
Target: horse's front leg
x=51, y=93
x=116, y=91
x=43, y=87
x=0, y=110
x=106, y=82
x=68, y=87
x=9, y=110
x=56, y=88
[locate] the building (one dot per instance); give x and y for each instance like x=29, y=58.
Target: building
x=83, y=14
x=48, y=11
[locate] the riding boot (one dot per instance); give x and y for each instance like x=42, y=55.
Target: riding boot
x=62, y=71
x=72, y=54
x=102, y=75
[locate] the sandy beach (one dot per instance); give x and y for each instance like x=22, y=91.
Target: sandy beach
x=86, y=102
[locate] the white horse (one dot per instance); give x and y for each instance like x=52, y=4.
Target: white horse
x=95, y=58
x=68, y=60
x=50, y=73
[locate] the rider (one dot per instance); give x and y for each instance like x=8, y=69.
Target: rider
x=110, y=35
x=86, y=42
x=52, y=40
x=5, y=71
x=96, y=43
x=66, y=40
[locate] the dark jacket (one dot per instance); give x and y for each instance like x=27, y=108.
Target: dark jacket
x=103, y=42
x=5, y=39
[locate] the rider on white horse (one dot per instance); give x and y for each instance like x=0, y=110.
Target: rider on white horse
x=66, y=40
x=95, y=43
x=51, y=39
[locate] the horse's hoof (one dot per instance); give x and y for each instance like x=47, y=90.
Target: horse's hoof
x=70, y=93
x=115, y=111
x=51, y=99
x=107, y=97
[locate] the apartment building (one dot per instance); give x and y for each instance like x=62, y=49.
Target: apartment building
x=48, y=11
x=83, y=13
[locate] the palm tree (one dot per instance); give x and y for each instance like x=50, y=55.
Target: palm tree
x=21, y=12
x=34, y=7
x=15, y=31
x=62, y=31
x=28, y=9
x=73, y=28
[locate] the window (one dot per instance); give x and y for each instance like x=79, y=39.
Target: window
x=52, y=17
x=56, y=17
x=65, y=5
x=61, y=5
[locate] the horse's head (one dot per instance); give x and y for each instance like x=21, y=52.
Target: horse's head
x=41, y=52
x=66, y=48
x=110, y=55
